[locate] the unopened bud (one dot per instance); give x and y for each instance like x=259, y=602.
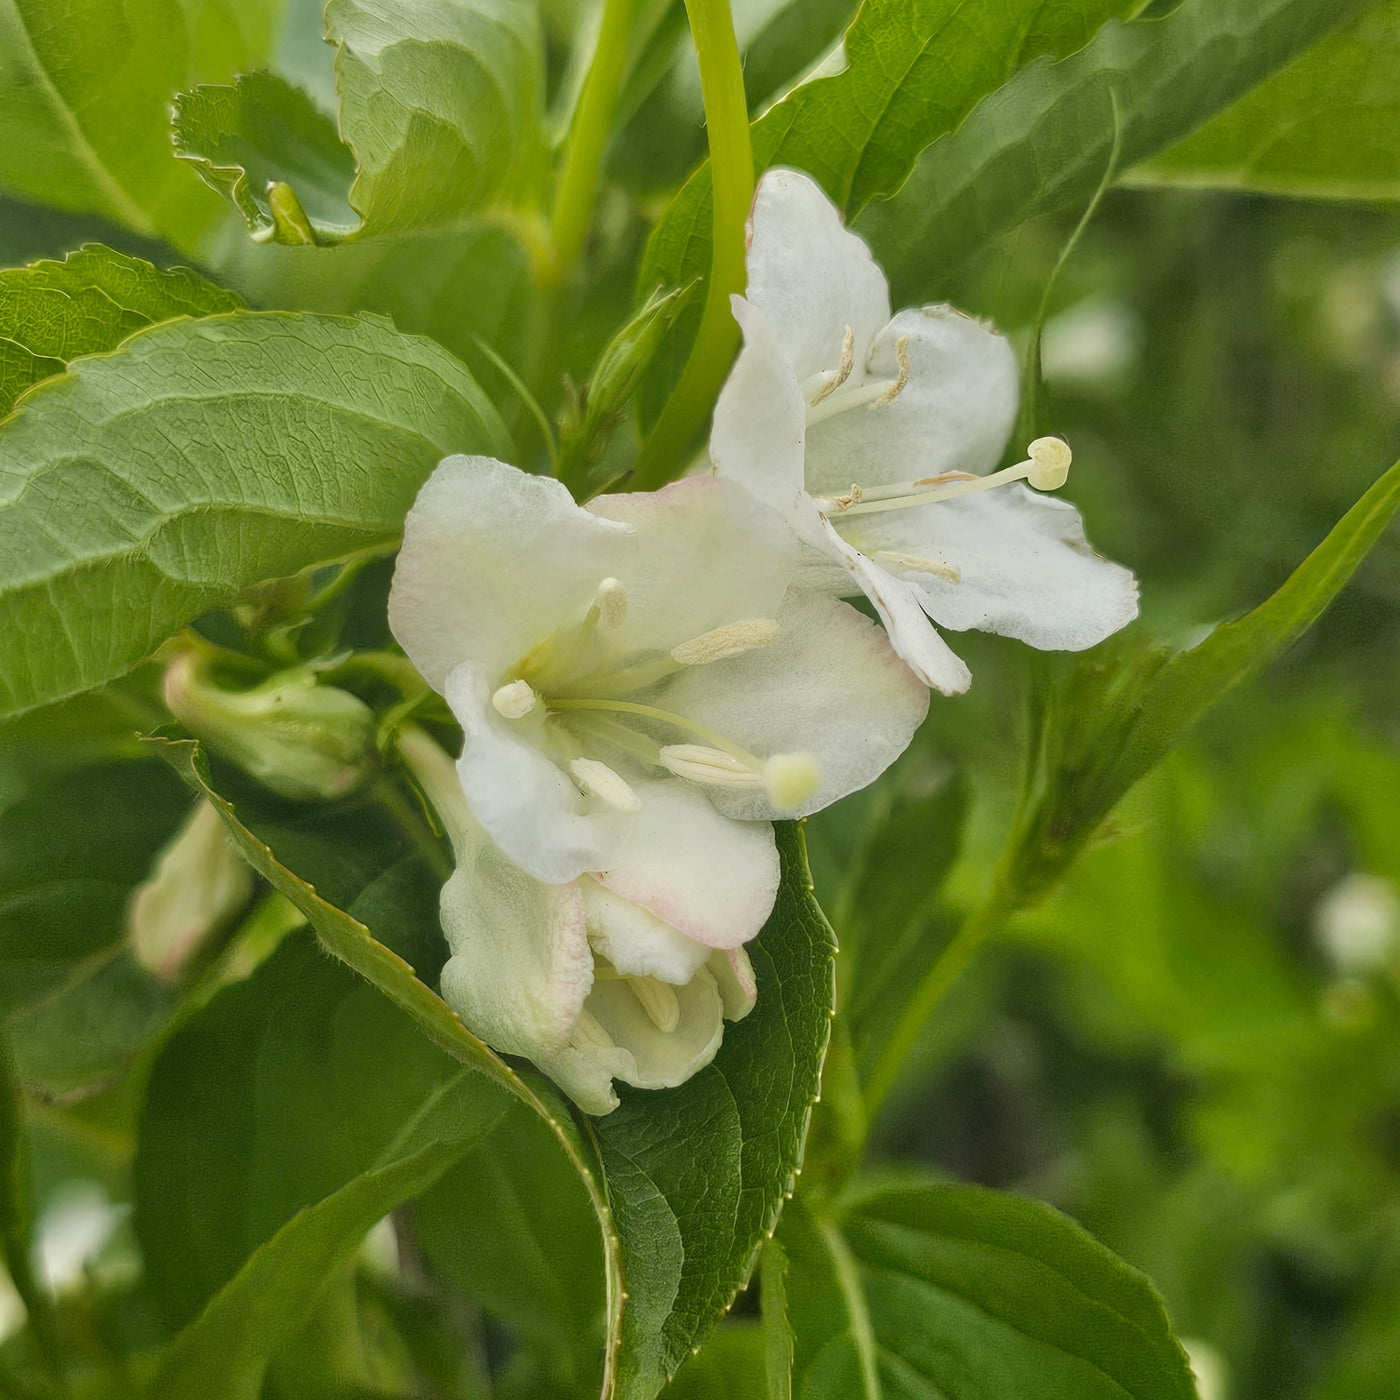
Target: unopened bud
x=303, y=740
x=198, y=886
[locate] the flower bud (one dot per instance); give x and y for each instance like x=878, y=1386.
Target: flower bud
x=198, y=885
x=303, y=740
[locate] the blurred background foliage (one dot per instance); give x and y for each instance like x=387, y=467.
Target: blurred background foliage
x=1193, y=1044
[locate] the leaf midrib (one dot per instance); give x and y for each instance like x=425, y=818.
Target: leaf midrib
x=107, y=183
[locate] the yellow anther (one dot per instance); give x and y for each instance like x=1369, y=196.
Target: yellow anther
x=791, y=778
x=703, y=764
x=723, y=642
x=600, y=780
x=901, y=353
x=659, y=1001
x=892, y=558
x=1049, y=463
x=848, y=363
x=611, y=602
x=514, y=701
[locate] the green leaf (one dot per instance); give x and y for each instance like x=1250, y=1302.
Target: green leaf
x=278, y=1093
x=85, y=91
x=1115, y=718
x=260, y=134
x=1328, y=125
x=368, y=876
x=914, y=72
x=71, y=852
x=777, y=1325
x=1044, y=140
x=52, y=312
x=440, y=114
x=148, y=486
x=697, y=1175
x=930, y=1289
x=511, y=1228
x=282, y=1121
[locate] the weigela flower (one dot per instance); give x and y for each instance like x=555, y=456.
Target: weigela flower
x=641, y=691
x=577, y=977
x=871, y=434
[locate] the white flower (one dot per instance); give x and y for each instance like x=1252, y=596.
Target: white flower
x=870, y=434
x=649, y=644
x=587, y=978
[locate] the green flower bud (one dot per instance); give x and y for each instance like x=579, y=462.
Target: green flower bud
x=303, y=740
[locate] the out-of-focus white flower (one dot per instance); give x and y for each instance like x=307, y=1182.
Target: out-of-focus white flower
x=199, y=884
x=633, y=675
x=74, y=1229
x=870, y=434
x=1357, y=923
x=587, y=982
x=1209, y=1367
x=1091, y=344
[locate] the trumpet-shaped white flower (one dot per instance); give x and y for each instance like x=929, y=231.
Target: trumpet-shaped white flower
x=649, y=644
x=580, y=978
x=871, y=434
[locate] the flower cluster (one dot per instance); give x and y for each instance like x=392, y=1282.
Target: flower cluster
x=645, y=683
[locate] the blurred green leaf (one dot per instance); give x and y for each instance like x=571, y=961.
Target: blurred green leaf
x=283, y=1090
x=1327, y=126
x=510, y=1227
x=52, y=312
x=1116, y=718
x=71, y=852
x=914, y=71
x=1043, y=141
x=440, y=111
x=320, y=1108
x=214, y=454
x=84, y=99
x=935, y=1289
x=777, y=1325
x=248, y=139
x=697, y=1175
x=730, y=1367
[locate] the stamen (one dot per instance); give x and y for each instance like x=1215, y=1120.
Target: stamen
x=916, y=564
x=567, y=704
x=589, y=1033
x=600, y=780
x=611, y=602
x=791, y=778
x=702, y=764
x=1046, y=469
x=901, y=353
x=843, y=373
x=659, y=1001
x=723, y=642
x=514, y=701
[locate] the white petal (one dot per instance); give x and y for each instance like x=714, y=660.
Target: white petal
x=899, y=605
x=1027, y=570
x=586, y=1073
x=760, y=419
x=954, y=414
x=635, y=941
x=706, y=553
x=529, y=807
x=738, y=987
x=493, y=560
x=663, y=1059
x=829, y=686
x=521, y=967
x=713, y=878
x=809, y=275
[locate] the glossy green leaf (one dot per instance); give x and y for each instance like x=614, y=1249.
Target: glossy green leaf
x=697, y=1175
x=281, y=1122
x=1327, y=126
x=260, y=133
x=913, y=1290
x=1044, y=140
x=52, y=312
x=440, y=111
x=71, y=852
x=85, y=92
x=148, y=486
x=914, y=71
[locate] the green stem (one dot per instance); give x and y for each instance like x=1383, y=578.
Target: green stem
x=951, y=963
x=573, y=208
x=731, y=179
